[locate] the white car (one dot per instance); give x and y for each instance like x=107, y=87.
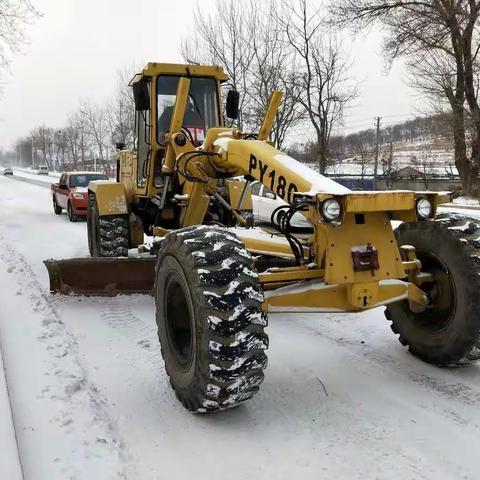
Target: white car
x=265, y=202
x=42, y=170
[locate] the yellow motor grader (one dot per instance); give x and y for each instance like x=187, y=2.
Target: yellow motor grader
x=214, y=279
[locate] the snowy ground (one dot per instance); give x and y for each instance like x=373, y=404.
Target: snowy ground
x=342, y=399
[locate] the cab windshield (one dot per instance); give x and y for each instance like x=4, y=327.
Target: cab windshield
x=84, y=180
x=202, y=106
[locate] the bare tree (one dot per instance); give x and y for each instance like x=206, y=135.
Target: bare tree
x=121, y=110
x=321, y=70
x=366, y=161
x=220, y=39
x=249, y=42
x=60, y=144
x=23, y=148
x=15, y=16
x=271, y=69
x=441, y=38
x=97, y=125
x=42, y=141
x=424, y=164
x=76, y=134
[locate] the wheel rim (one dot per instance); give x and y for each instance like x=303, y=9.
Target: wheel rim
x=179, y=321
x=441, y=293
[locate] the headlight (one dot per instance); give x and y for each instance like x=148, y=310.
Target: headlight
x=78, y=195
x=424, y=208
x=331, y=209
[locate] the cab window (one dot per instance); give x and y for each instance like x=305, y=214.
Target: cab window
x=201, y=112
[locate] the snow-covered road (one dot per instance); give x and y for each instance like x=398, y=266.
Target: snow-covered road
x=341, y=400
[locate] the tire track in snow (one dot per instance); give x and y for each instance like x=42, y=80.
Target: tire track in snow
x=119, y=314
x=456, y=391
x=82, y=411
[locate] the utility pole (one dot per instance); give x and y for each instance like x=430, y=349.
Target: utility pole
x=375, y=170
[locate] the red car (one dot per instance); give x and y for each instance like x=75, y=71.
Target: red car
x=71, y=193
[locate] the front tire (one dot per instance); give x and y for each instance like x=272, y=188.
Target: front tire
x=209, y=317
x=108, y=236
x=448, y=332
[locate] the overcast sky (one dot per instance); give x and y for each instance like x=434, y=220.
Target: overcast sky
x=77, y=47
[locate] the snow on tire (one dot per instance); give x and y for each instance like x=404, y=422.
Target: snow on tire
x=108, y=236
x=113, y=236
x=448, y=332
x=209, y=316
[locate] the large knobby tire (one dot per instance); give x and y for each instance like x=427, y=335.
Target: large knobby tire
x=209, y=316
x=108, y=236
x=91, y=225
x=56, y=208
x=447, y=333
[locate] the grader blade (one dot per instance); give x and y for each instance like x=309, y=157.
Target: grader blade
x=101, y=276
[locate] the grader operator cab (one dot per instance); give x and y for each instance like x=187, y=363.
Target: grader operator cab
x=214, y=281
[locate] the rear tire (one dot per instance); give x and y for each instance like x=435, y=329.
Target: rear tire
x=56, y=208
x=209, y=317
x=108, y=236
x=448, y=333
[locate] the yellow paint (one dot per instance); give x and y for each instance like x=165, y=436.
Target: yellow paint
x=264, y=247
x=234, y=193
x=196, y=204
x=111, y=197
x=377, y=231
x=176, y=124
x=316, y=296
x=154, y=69
x=289, y=275
x=270, y=115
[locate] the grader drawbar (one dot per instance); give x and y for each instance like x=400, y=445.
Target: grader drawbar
x=215, y=281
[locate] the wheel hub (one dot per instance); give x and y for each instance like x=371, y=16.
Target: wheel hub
x=179, y=320
x=440, y=291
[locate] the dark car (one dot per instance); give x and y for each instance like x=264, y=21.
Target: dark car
x=7, y=171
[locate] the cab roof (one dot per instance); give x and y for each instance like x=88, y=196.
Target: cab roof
x=152, y=69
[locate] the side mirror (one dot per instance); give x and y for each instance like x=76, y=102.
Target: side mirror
x=141, y=95
x=233, y=100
